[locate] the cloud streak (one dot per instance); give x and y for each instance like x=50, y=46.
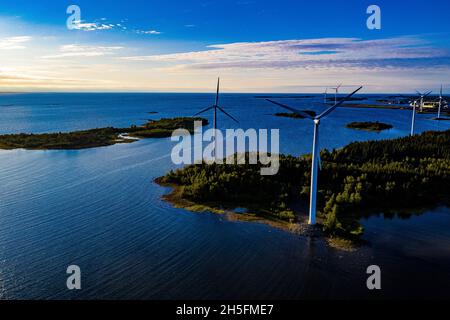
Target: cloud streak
x=96, y=25
x=312, y=53
x=14, y=43
x=75, y=50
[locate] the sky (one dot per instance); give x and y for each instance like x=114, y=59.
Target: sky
x=254, y=46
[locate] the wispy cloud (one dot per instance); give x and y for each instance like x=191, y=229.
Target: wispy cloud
x=98, y=25
x=104, y=24
x=311, y=53
x=75, y=50
x=155, y=32
x=12, y=43
x=92, y=26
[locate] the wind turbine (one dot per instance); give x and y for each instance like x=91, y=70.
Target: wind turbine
x=336, y=89
x=422, y=96
x=413, y=117
x=216, y=107
x=440, y=104
x=325, y=96
x=316, y=149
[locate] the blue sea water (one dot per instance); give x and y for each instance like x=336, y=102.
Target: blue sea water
x=100, y=209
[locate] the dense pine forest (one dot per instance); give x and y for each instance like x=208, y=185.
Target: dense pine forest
x=390, y=176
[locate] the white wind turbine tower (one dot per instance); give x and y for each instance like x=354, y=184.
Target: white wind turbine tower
x=440, y=104
x=422, y=97
x=316, y=149
x=325, y=96
x=413, y=117
x=215, y=107
x=336, y=91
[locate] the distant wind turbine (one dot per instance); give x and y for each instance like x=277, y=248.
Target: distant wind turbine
x=336, y=91
x=422, y=97
x=215, y=107
x=413, y=121
x=325, y=96
x=316, y=149
x=440, y=104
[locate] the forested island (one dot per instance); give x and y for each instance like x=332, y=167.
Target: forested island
x=295, y=115
x=369, y=126
x=97, y=137
x=387, y=177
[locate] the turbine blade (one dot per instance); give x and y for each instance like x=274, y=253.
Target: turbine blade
x=427, y=94
x=420, y=94
x=204, y=110
x=217, y=94
x=300, y=113
x=226, y=113
x=329, y=110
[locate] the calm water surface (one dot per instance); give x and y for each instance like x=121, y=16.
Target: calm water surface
x=99, y=209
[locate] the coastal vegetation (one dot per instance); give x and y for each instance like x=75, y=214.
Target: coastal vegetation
x=363, y=178
x=369, y=126
x=394, y=106
x=163, y=128
x=295, y=115
x=97, y=137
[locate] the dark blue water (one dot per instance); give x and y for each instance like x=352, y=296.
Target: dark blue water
x=99, y=209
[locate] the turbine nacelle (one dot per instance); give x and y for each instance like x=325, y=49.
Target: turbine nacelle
x=216, y=107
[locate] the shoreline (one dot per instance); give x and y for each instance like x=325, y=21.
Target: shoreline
x=353, y=183
x=99, y=137
x=390, y=107
x=299, y=227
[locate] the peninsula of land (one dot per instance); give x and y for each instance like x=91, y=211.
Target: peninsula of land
x=99, y=137
x=295, y=115
x=390, y=177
